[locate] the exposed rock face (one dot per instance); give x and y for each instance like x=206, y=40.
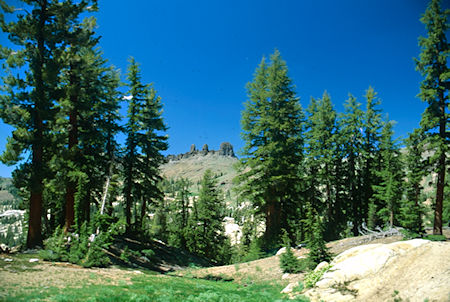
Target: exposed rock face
x=415, y=268
x=226, y=149
x=205, y=149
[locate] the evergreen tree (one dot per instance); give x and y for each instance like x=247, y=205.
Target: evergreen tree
x=179, y=211
x=28, y=104
x=433, y=65
x=318, y=251
x=272, y=126
x=412, y=208
x=207, y=233
x=322, y=152
x=143, y=145
x=87, y=123
x=352, y=135
x=370, y=154
x=389, y=191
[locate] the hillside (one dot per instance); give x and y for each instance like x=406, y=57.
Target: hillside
x=193, y=164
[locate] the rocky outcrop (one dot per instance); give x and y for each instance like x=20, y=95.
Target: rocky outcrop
x=226, y=149
x=414, y=270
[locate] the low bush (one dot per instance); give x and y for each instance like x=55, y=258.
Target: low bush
x=313, y=276
x=435, y=237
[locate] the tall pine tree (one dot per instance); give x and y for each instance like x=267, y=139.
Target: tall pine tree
x=29, y=103
x=272, y=127
x=143, y=145
x=433, y=65
x=389, y=192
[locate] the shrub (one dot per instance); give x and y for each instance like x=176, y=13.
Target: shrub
x=436, y=237
x=313, y=276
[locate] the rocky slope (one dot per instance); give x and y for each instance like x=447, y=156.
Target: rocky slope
x=414, y=270
x=193, y=164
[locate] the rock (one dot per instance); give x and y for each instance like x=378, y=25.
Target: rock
x=321, y=265
x=8, y=260
x=281, y=251
x=226, y=149
x=205, y=149
x=285, y=276
x=372, y=272
x=33, y=260
x=289, y=288
x=4, y=248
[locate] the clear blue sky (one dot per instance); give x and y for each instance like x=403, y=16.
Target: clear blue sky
x=200, y=55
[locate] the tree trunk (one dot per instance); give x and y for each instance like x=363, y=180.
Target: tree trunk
x=273, y=214
x=437, y=226
x=34, y=236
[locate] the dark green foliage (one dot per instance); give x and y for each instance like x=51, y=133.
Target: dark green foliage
x=85, y=248
x=254, y=251
x=289, y=262
x=272, y=126
x=436, y=237
x=179, y=214
x=412, y=210
x=318, y=251
x=433, y=66
x=206, y=235
x=351, y=125
x=144, y=143
x=323, y=161
x=388, y=193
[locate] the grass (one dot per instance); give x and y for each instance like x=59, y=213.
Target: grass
x=128, y=286
x=154, y=288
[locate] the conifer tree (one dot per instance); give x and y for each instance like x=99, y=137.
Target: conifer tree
x=179, y=210
x=318, y=251
x=144, y=143
x=433, y=65
x=322, y=153
x=370, y=153
x=272, y=127
x=207, y=234
x=351, y=125
x=29, y=103
x=389, y=191
x=412, y=207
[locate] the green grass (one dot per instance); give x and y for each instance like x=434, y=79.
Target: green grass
x=150, y=287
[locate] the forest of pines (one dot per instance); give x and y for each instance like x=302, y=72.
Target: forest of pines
x=307, y=174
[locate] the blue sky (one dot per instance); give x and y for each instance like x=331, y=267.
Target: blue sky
x=200, y=54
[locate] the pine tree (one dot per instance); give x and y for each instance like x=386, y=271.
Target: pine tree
x=29, y=101
x=370, y=154
x=179, y=212
x=143, y=145
x=352, y=135
x=322, y=152
x=318, y=251
x=207, y=234
x=433, y=65
x=272, y=126
x=412, y=208
x=389, y=192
